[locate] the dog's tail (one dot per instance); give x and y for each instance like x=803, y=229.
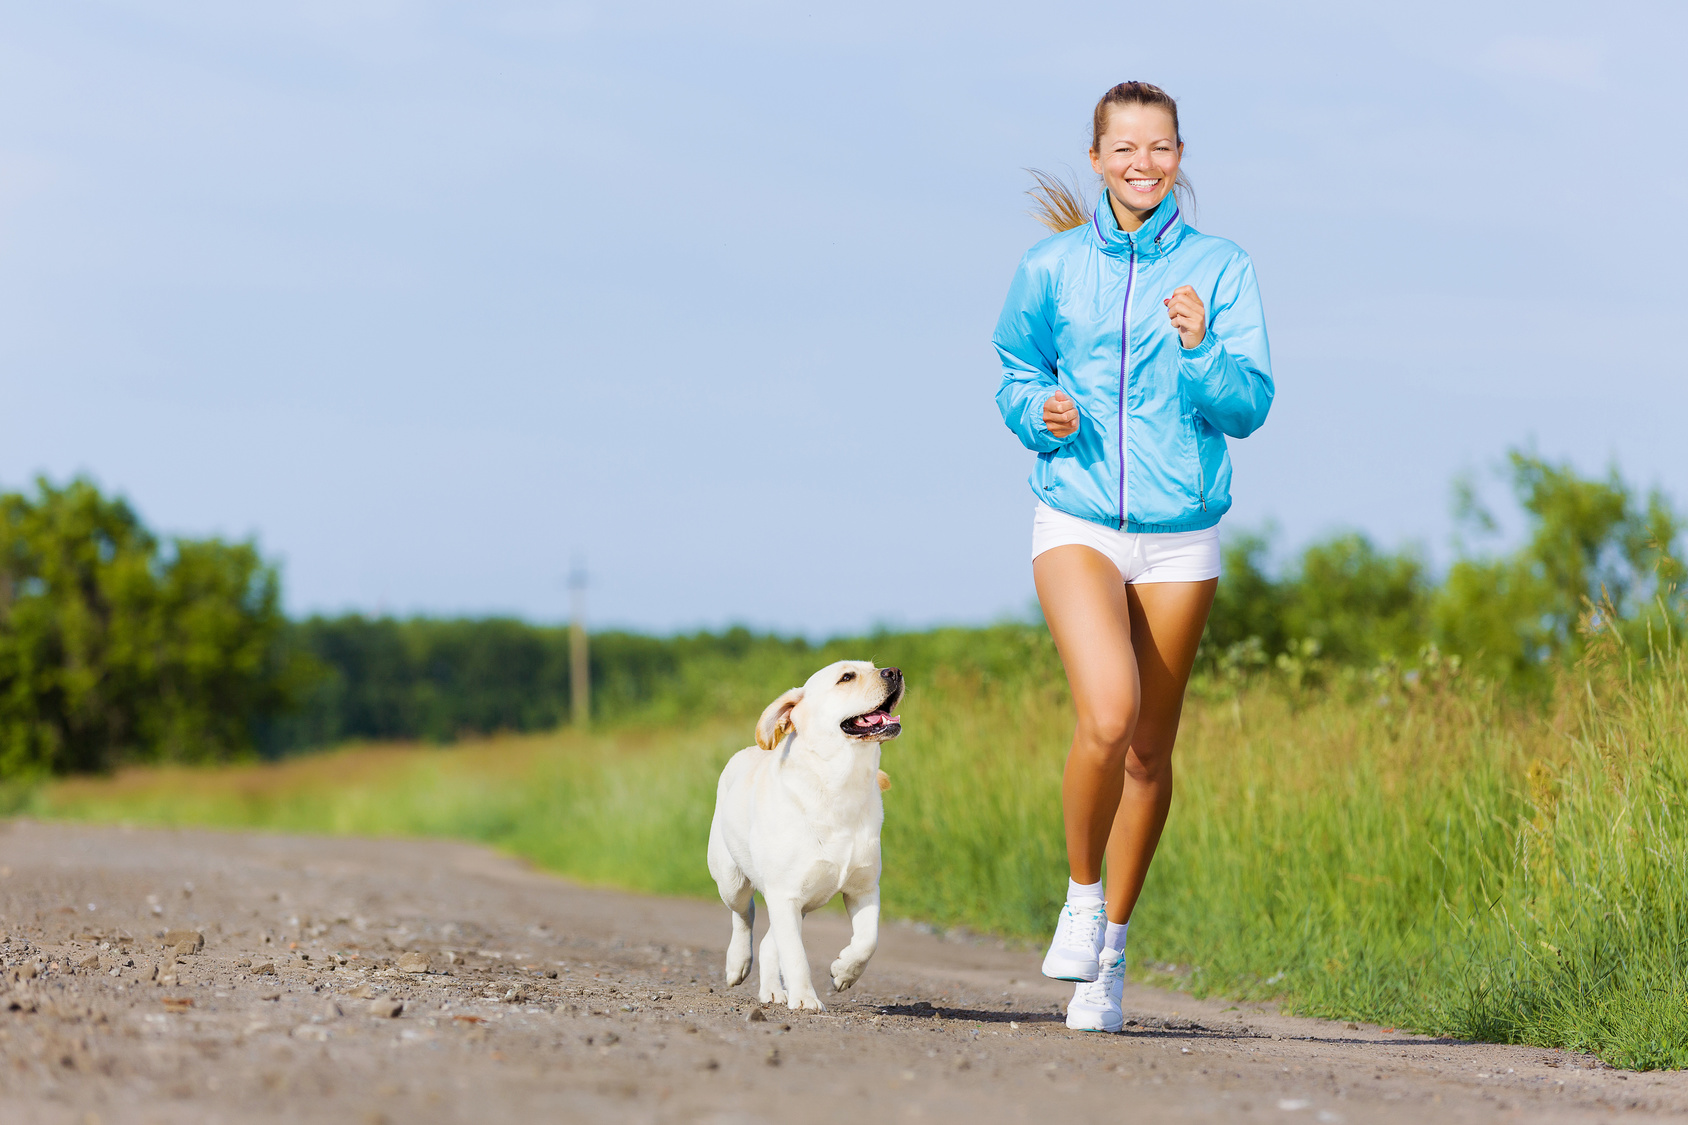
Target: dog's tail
x=884, y=781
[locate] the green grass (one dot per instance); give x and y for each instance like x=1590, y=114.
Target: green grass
x=1408, y=848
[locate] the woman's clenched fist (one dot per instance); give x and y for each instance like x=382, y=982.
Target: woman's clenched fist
x=1188, y=315
x=1060, y=414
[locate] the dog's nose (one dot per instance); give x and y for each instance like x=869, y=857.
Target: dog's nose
x=891, y=675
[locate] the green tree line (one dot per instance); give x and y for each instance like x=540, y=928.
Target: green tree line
x=117, y=646
x=438, y=679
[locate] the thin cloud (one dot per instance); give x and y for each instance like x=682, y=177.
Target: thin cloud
x=1576, y=63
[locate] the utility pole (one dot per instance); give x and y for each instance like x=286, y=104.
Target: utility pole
x=580, y=672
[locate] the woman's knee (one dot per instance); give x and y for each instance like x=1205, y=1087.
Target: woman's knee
x=1108, y=733
x=1148, y=767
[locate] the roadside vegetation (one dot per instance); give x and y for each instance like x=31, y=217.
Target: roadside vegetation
x=1456, y=807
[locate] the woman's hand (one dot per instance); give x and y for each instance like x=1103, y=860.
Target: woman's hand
x=1060, y=414
x=1188, y=315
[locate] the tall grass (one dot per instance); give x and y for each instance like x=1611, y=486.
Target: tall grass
x=1402, y=846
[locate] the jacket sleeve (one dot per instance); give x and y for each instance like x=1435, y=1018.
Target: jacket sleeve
x=1025, y=341
x=1228, y=376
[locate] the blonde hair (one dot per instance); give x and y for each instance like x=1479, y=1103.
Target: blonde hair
x=1060, y=207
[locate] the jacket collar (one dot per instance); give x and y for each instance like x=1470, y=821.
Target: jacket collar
x=1159, y=233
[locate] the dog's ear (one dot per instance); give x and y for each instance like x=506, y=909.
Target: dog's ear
x=776, y=720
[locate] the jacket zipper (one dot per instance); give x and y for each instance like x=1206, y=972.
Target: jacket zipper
x=1124, y=362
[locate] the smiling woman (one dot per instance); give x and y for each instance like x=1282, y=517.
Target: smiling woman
x=1132, y=345
x=1062, y=208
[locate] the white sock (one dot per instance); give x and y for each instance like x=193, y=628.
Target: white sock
x=1084, y=894
x=1115, y=939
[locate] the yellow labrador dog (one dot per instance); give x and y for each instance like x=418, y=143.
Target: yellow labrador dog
x=797, y=818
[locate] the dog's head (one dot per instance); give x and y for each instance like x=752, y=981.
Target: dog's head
x=851, y=696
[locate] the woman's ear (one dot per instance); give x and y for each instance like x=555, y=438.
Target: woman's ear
x=776, y=720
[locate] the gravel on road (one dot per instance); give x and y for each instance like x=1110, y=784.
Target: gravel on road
x=156, y=976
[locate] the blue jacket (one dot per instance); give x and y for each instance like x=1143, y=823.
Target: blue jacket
x=1085, y=315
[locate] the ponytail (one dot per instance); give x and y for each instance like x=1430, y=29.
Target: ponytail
x=1059, y=207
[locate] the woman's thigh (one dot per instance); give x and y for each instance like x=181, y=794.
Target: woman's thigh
x=1084, y=603
x=1167, y=619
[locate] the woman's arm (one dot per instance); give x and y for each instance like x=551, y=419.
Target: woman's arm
x=1025, y=341
x=1227, y=376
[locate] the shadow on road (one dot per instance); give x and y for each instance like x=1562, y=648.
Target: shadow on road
x=1151, y=1027
x=924, y=1010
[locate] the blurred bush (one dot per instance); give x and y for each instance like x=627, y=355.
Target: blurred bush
x=1591, y=548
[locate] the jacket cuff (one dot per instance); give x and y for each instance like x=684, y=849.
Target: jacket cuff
x=1201, y=350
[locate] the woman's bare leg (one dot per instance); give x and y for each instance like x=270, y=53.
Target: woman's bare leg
x=1166, y=626
x=1084, y=603
x=1128, y=653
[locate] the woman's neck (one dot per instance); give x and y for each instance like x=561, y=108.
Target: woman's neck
x=1128, y=219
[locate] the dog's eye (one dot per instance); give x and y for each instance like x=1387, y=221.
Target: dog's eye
x=846, y=677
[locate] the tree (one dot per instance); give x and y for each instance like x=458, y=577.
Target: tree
x=1589, y=545
x=114, y=648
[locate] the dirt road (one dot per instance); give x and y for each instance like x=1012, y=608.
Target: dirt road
x=547, y=1001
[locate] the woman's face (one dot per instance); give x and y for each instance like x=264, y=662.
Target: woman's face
x=1138, y=156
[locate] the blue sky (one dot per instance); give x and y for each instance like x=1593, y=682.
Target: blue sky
x=432, y=297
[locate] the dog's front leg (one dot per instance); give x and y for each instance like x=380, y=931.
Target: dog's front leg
x=739, y=895
x=770, y=992
x=785, y=924
x=738, y=949
x=864, y=938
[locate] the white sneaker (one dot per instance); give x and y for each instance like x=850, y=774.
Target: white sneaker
x=1078, y=942
x=1096, y=1006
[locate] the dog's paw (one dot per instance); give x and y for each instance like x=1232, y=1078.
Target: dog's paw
x=808, y=1002
x=737, y=972
x=846, y=972
x=772, y=996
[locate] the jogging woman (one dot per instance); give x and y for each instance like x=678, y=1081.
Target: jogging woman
x=1132, y=345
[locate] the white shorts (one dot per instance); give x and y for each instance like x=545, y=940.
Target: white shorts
x=1142, y=556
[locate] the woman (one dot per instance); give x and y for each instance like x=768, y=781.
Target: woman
x=1131, y=346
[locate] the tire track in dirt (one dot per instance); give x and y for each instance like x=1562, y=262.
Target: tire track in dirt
x=428, y=981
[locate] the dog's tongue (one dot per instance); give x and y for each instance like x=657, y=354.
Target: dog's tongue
x=877, y=718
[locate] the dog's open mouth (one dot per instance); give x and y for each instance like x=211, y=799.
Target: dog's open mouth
x=878, y=723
